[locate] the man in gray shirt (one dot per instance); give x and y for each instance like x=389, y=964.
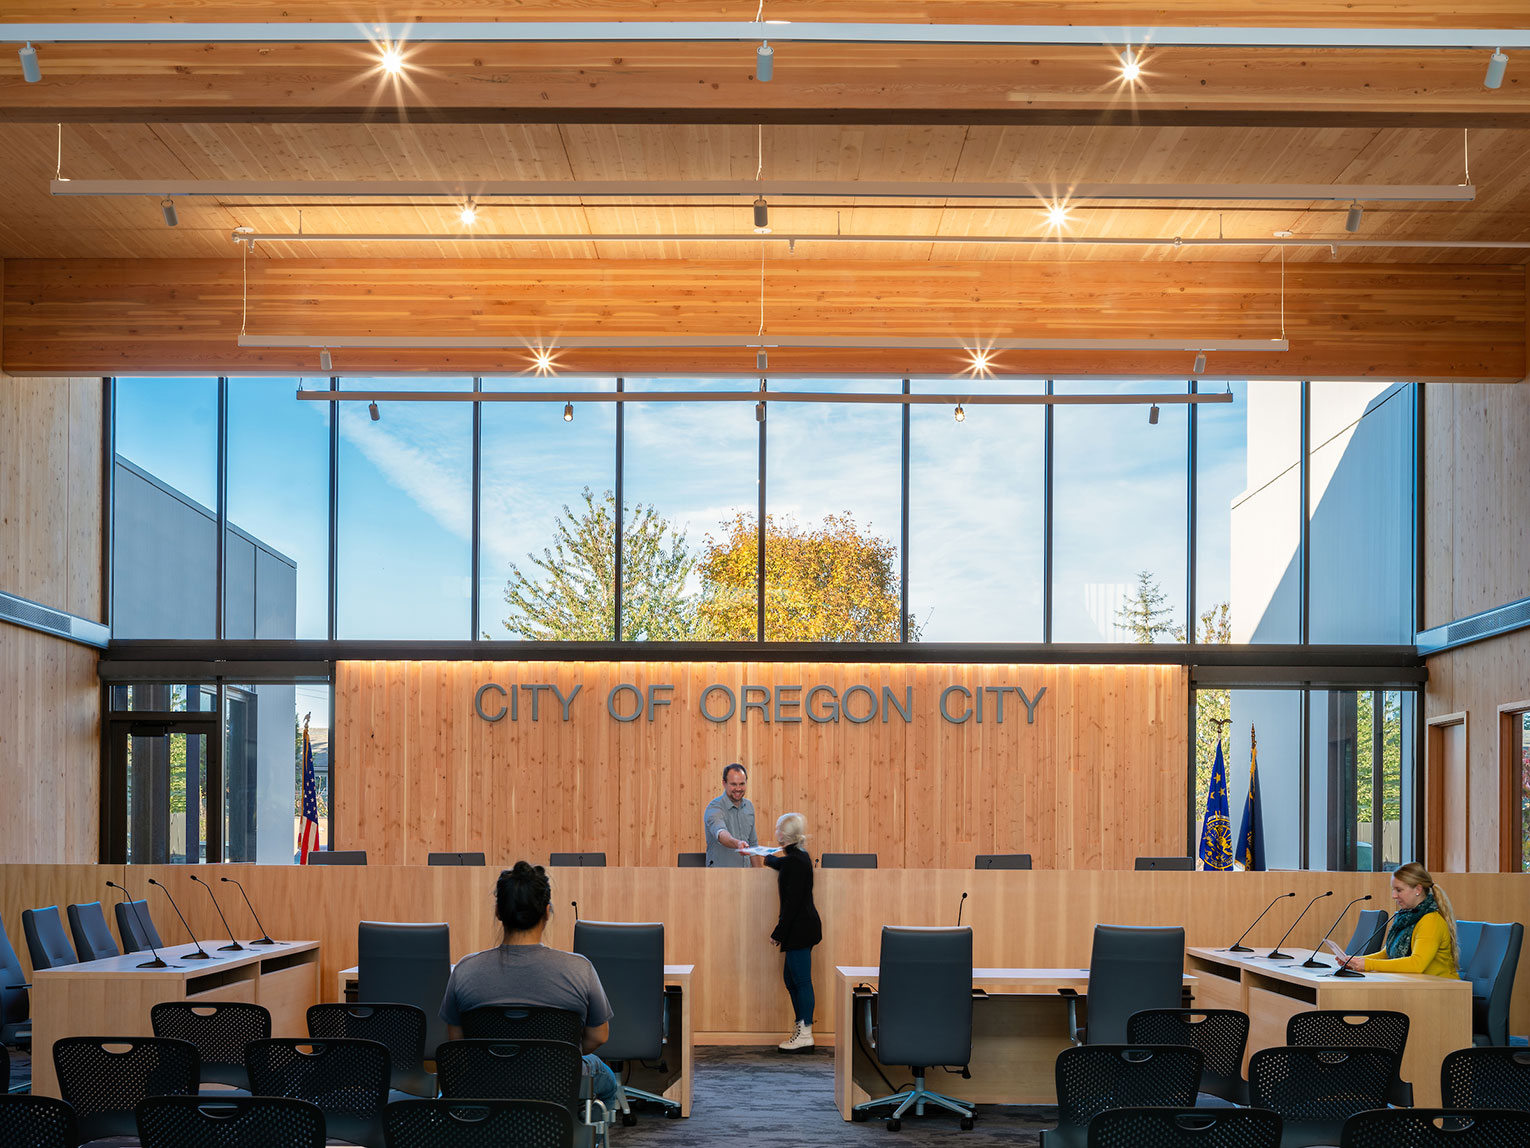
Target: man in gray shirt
x=728, y=822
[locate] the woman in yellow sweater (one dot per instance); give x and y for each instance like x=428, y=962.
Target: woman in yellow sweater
x=1422, y=936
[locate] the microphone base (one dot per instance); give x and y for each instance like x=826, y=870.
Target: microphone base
x=236, y=947
x=157, y=963
x=267, y=941
x=1347, y=973
x=1237, y=949
x=199, y=955
x=1277, y=955
x=1309, y=963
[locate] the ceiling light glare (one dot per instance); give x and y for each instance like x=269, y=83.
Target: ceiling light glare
x=1057, y=215
x=325, y=362
x=1153, y=415
x=961, y=415
x=761, y=215
x=1200, y=363
x=469, y=214
x=392, y=60
x=1498, y=64
x=31, y=71
x=1352, y=220
x=373, y=411
x=568, y=412
x=765, y=63
x=542, y=360
x=167, y=206
x=1130, y=68
x=980, y=360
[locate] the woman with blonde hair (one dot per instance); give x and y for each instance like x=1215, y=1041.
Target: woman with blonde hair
x=1422, y=935
x=798, y=929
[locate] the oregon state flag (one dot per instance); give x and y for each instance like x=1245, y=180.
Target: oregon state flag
x=1251, y=832
x=1216, y=830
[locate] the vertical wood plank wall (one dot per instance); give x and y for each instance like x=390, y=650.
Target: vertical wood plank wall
x=1097, y=780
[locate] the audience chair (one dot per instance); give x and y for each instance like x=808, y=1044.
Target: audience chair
x=1468, y=933
x=229, y=1122
x=1486, y=1078
x=37, y=1122
x=1221, y=1035
x=337, y=857
x=5, y=1071
x=220, y=1030
x=135, y=926
x=105, y=1078
x=405, y=963
x=478, y=1124
x=923, y=1014
x=1316, y=1090
x=1171, y=864
x=578, y=860
x=347, y=1079
x=1492, y=976
x=1002, y=861
x=454, y=859
x=1131, y=968
x=1185, y=1128
x=847, y=861
x=510, y=1070
x=629, y=960
x=400, y=1028
x=1098, y=1077
x=92, y=938
x=1436, y=1128
x=523, y=1022
x=15, y=1000
x=691, y=860
x=1340, y=1028
x=1370, y=932
x=46, y=942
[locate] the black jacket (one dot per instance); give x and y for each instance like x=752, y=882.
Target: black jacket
x=799, y=926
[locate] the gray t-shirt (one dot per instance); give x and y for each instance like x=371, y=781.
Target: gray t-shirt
x=737, y=820
x=528, y=975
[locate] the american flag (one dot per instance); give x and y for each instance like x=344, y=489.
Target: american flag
x=309, y=837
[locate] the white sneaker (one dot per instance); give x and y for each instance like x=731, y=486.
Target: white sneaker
x=801, y=1039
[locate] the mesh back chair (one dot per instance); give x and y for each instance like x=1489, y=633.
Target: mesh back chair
x=1002, y=861
x=923, y=1014
x=37, y=1122
x=46, y=941
x=691, y=860
x=1174, y=864
x=1492, y=976
x=92, y=938
x=1468, y=933
x=1185, y=1128
x=1486, y=1078
x=629, y=960
x=1131, y=968
x=547, y=1070
x=1096, y=1078
x=405, y=963
x=478, y=1124
x=455, y=859
x=1221, y=1035
x=105, y=1078
x=1436, y=1128
x=135, y=925
x=847, y=861
x=15, y=1001
x=400, y=1028
x=1316, y=1090
x=578, y=860
x=1370, y=929
x=219, y=1029
x=1338, y=1028
x=523, y=1022
x=229, y=1122
x=347, y=1079
x=337, y=857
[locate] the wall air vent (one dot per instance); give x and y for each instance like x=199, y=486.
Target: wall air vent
x=50, y=621
x=1488, y=624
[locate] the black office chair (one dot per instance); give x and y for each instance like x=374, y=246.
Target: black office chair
x=1436, y=1128
x=847, y=861
x=1486, y=1078
x=347, y=1079
x=93, y=940
x=691, y=860
x=523, y=1022
x=578, y=860
x=337, y=857
x=1221, y=1035
x=398, y=1027
x=1370, y=932
x=454, y=859
x=629, y=960
x=510, y=1070
x=220, y=1030
x=1170, y=864
x=15, y=1000
x=923, y=1014
x=5, y=1070
x=478, y=1124
x=105, y=1078
x=1002, y=861
x=1316, y=1090
x=135, y=925
x=1468, y=933
x=1343, y=1028
x=37, y=1122
x=1096, y=1078
x=229, y=1122
x=46, y=942
x=1185, y=1128
x=1131, y=968
x=1491, y=974
x=399, y=962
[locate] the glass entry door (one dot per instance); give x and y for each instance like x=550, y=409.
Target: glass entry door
x=164, y=762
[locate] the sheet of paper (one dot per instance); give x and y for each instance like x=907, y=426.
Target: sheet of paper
x=760, y=850
x=1335, y=950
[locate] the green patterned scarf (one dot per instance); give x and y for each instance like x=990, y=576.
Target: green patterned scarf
x=1400, y=937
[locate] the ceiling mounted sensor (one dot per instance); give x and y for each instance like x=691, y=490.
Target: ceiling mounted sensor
x=1498, y=64
x=31, y=71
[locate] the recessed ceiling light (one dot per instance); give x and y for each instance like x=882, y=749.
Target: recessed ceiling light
x=392, y=60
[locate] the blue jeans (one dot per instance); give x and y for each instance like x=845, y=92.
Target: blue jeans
x=602, y=1080
x=798, y=976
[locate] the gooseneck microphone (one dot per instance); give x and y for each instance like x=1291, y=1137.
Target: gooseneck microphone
x=1342, y=970
x=1312, y=962
x=265, y=937
x=233, y=946
x=575, y=904
x=1275, y=954
x=158, y=962
x=1238, y=946
x=960, y=905
x=201, y=954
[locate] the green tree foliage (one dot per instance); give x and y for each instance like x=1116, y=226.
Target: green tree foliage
x=1146, y=614
x=1391, y=757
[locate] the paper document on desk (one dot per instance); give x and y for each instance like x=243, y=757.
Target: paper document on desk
x=1334, y=949
x=760, y=850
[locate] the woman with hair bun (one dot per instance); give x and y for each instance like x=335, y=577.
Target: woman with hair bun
x=1422, y=935
x=523, y=971
x=798, y=929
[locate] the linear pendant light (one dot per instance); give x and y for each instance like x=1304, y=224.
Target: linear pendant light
x=749, y=342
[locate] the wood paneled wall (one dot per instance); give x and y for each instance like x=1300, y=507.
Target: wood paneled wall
x=1097, y=780
x=1345, y=321
x=720, y=920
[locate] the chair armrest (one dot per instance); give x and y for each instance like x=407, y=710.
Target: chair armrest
x=12, y=988
x=1071, y=996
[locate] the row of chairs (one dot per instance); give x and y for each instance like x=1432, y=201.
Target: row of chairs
x=1165, y=1127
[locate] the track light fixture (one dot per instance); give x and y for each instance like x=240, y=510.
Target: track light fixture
x=167, y=206
x=469, y=214
x=761, y=214
x=759, y=411
x=31, y=71
x=1352, y=220
x=392, y=60
x=1498, y=63
x=373, y=411
x=961, y=415
x=764, y=62
x=568, y=412
x=1200, y=363
x=761, y=360
x=542, y=361
x=325, y=362
x=1153, y=415
x=1130, y=68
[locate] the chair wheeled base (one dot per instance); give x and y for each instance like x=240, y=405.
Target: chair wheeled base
x=916, y=1098
x=625, y=1092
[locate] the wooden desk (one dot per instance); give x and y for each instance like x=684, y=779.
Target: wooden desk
x=1016, y=1036
x=112, y=997
x=674, y=1083
x=1271, y=992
